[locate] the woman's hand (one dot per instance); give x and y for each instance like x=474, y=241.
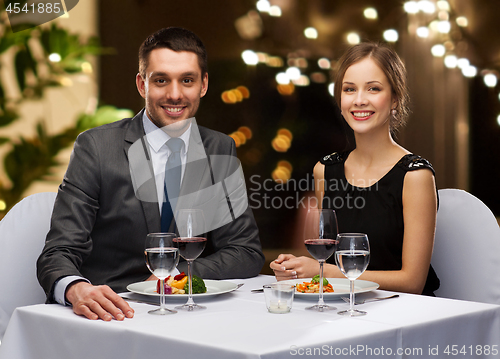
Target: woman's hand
x=287, y=266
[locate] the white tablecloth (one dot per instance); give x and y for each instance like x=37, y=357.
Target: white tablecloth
x=237, y=325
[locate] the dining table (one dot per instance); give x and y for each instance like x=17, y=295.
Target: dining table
x=236, y=324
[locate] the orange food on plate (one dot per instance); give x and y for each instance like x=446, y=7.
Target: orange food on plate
x=309, y=287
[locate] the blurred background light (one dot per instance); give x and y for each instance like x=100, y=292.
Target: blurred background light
x=370, y=13
x=331, y=88
x=434, y=26
x=250, y=57
x=443, y=5
x=311, y=33
x=282, y=78
x=275, y=61
x=301, y=63
x=462, y=21
x=263, y=6
x=444, y=27
x=263, y=57
x=318, y=77
x=246, y=131
x=54, y=57
x=282, y=141
x=438, y=50
x=293, y=73
x=86, y=67
x=450, y=61
x=443, y=15
x=324, y=63
x=286, y=89
x=423, y=32
x=469, y=71
x=353, y=38
x=411, y=7
x=303, y=80
x=427, y=6
x=249, y=26
x=244, y=91
x=490, y=80
x=275, y=11
x=462, y=62
x=391, y=35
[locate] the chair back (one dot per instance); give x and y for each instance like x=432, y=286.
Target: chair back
x=22, y=237
x=466, y=253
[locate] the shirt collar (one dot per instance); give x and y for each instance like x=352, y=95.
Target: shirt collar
x=157, y=138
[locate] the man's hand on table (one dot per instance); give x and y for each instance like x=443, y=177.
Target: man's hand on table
x=97, y=302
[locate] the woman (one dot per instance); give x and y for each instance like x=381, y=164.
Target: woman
x=379, y=188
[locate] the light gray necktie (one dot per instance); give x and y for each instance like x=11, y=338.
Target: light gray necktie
x=172, y=184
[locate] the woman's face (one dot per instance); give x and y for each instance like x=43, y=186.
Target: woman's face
x=367, y=98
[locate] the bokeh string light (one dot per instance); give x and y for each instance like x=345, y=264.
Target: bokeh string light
x=431, y=20
x=235, y=95
x=437, y=25
x=241, y=136
x=283, y=172
x=436, y=22
x=282, y=141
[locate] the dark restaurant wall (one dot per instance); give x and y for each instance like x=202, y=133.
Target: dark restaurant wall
x=485, y=148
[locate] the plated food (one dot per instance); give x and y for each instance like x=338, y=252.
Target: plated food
x=179, y=284
x=313, y=286
x=340, y=285
x=214, y=287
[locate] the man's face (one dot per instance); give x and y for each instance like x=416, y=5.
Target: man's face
x=172, y=87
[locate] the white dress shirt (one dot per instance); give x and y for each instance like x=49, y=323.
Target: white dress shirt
x=159, y=151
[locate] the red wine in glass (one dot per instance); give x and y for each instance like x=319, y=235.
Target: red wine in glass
x=191, y=242
x=190, y=248
x=320, y=239
x=320, y=249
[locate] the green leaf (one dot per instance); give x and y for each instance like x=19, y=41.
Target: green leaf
x=103, y=115
x=30, y=60
x=21, y=63
x=10, y=39
x=7, y=118
x=6, y=42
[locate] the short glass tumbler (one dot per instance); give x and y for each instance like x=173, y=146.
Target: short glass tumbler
x=279, y=297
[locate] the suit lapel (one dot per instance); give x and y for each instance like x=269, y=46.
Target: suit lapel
x=151, y=210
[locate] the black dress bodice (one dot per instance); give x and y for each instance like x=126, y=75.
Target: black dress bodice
x=375, y=209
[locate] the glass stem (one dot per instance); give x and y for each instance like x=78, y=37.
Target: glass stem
x=190, y=279
x=320, y=301
x=351, y=295
x=162, y=294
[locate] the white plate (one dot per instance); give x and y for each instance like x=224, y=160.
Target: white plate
x=214, y=287
x=340, y=287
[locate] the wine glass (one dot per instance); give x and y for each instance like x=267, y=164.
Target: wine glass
x=320, y=232
x=161, y=258
x=352, y=258
x=191, y=242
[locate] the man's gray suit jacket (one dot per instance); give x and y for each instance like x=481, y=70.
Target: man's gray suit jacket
x=99, y=224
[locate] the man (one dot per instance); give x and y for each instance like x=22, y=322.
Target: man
x=96, y=242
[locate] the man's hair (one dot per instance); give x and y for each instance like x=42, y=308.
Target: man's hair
x=175, y=39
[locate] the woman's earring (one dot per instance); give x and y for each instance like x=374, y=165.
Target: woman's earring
x=394, y=112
